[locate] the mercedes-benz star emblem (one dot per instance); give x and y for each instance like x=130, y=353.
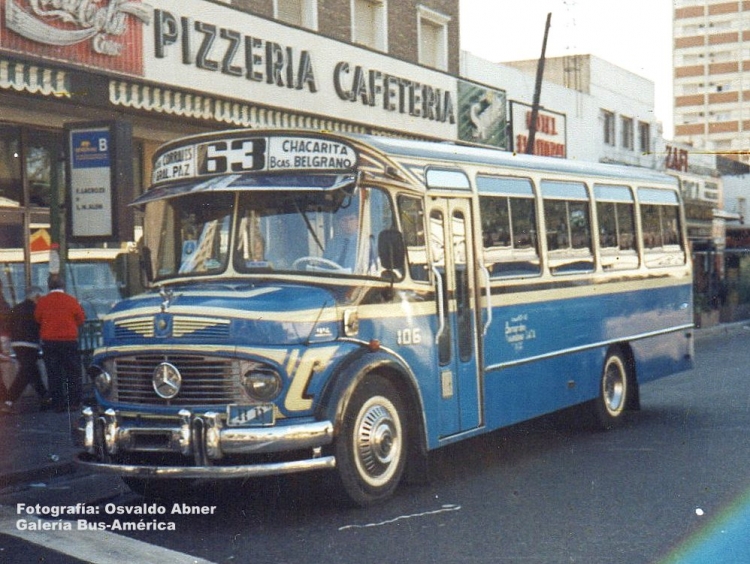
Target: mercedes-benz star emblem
x=167, y=380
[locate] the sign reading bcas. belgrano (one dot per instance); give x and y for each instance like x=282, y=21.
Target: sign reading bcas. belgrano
x=194, y=45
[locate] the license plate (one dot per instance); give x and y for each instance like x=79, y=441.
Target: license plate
x=250, y=415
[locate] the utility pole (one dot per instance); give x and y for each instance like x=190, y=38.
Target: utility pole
x=537, y=91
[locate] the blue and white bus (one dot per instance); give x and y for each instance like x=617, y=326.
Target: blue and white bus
x=350, y=303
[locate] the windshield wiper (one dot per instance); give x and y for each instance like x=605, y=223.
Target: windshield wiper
x=309, y=225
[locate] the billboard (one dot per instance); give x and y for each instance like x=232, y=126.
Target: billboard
x=550, y=136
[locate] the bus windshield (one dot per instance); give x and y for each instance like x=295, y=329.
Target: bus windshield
x=317, y=232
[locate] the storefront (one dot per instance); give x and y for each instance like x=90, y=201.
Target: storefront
x=178, y=67
x=702, y=191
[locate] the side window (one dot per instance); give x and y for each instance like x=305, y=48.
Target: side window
x=411, y=217
x=568, y=227
x=660, y=221
x=615, y=211
x=380, y=219
x=509, y=226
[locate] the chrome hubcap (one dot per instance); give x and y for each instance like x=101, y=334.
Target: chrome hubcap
x=377, y=441
x=614, y=387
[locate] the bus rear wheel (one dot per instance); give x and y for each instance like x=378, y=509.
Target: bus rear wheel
x=371, y=446
x=615, y=388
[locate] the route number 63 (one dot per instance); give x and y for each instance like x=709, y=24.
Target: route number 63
x=237, y=155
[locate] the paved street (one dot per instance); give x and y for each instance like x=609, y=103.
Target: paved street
x=669, y=486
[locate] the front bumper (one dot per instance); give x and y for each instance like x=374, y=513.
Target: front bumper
x=202, y=439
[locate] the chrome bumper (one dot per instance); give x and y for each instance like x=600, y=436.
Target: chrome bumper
x=203, y=438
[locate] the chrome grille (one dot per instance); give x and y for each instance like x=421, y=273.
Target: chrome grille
x=184, y=327
x=200, y=327
x=206, y=380
x=143, y=326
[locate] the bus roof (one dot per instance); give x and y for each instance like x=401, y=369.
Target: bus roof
x=179, y=170
x=447, y=152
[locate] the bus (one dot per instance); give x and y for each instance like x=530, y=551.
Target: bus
x=95, y=276
x=481, y=288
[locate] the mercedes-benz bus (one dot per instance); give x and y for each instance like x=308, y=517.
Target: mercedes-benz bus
x=350, y=303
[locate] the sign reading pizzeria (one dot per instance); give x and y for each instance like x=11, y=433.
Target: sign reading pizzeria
x=191, y=46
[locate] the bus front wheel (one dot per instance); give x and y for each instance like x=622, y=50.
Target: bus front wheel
x=615, y=388
x=371, y=445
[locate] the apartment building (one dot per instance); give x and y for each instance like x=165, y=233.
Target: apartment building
x=424, y=32
x=711, y=86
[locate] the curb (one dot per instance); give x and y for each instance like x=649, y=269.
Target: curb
x=725, y=329
x=47, y=472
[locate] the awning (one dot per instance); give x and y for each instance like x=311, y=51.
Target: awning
x=204, y=107
x=726, y=215
x=25, y=77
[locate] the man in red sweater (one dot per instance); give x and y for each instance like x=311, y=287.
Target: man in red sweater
x=59, y=316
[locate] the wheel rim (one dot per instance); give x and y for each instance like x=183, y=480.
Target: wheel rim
x=377, y=441
x=614, y=386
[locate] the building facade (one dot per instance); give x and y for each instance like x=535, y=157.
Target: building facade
x=593, y=121
x=711, y=87
x=600, y=124
x=176, y=67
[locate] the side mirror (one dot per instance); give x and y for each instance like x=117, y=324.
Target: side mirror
x=391, y=250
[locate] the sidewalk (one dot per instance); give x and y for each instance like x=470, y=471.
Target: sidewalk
x=37, y=446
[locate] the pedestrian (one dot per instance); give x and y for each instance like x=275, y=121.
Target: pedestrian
x=5, y=359
x=59, y=316
x=24, y=339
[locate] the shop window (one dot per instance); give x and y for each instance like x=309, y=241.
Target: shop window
x=11, y=187
x=43, y=150
x=11, y=259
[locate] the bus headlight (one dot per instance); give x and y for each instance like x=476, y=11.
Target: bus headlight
x=102, y=380
x=261, y=382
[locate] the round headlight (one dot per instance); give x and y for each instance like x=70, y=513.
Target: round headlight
x=262, y=384
x=103, y=382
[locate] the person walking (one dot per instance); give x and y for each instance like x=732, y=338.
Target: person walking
x=59, y=316
x=24, y=339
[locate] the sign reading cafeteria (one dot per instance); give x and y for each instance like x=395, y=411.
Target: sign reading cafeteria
x=196, y=45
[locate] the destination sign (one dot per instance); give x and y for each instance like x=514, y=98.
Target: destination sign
x=237, y=155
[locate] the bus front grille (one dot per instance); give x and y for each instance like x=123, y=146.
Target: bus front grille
x=206, y=380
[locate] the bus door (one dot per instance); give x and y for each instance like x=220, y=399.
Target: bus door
x=456, y=333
